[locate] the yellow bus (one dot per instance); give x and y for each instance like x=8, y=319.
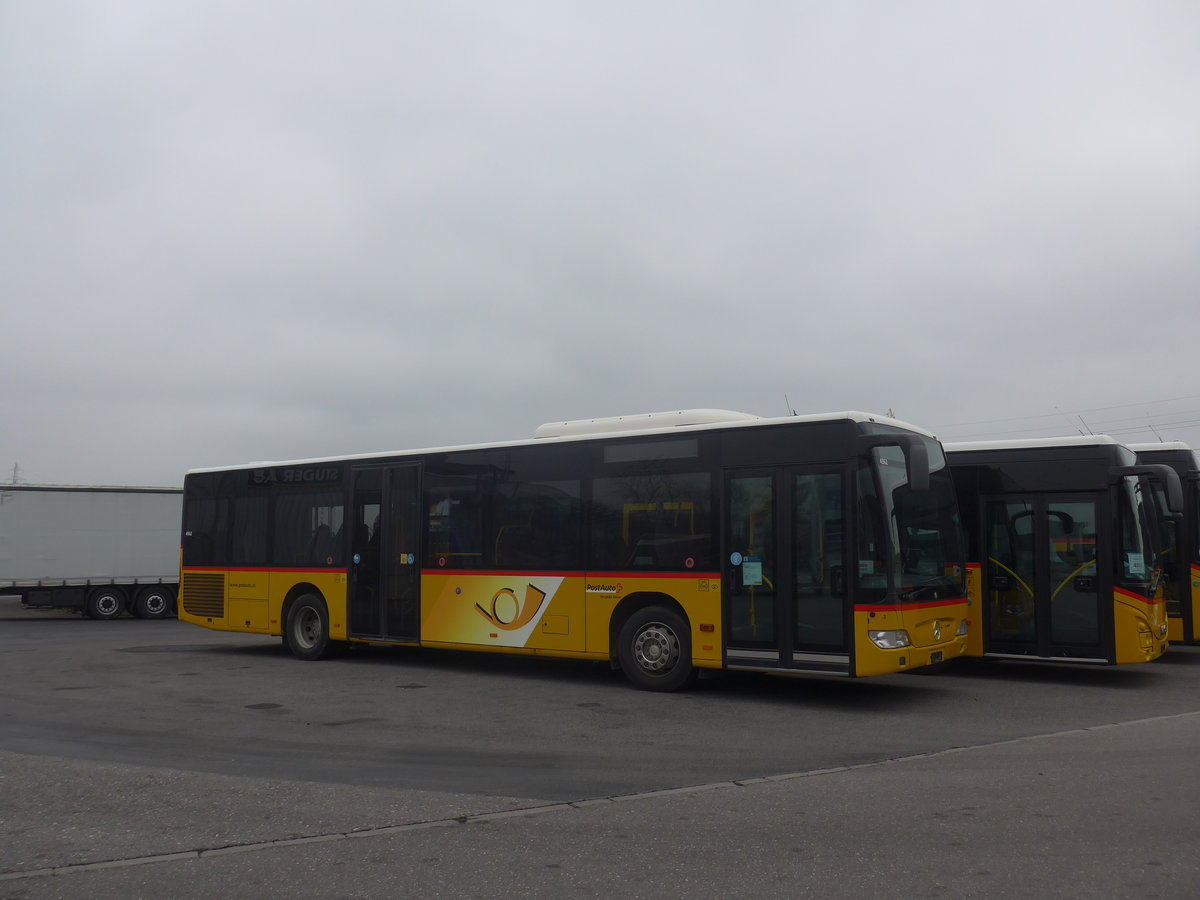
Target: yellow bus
x=1065, y=549
x=664, y=543
x=1181, y=581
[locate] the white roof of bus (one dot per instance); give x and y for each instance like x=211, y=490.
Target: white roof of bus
x=621, y=426
x=643, y=422
x=1071, y=440
x=1160, y=445
x=116, y=488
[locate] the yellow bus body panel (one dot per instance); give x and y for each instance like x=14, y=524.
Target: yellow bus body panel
x=556, y=614
x=975, y=610
x=931, y=630
x=253, y=599
x=1140, y=626
x=1189, y=594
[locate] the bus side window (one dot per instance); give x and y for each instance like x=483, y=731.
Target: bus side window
x=454, y=521
x=305, y=524
x=537, y=524
x=650, y=522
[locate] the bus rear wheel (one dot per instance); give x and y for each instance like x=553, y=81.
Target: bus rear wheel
x=307, y=633
x=655, y=650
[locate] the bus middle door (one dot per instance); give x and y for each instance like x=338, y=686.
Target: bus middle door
x=785, y=598
x=1042, y=577
x=385, y=572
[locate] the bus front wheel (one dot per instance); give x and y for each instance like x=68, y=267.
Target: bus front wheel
x=655, y=650
x=308, y=628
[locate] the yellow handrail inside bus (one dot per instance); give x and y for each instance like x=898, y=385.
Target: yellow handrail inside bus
x=1020, y=581
x=1063, y=584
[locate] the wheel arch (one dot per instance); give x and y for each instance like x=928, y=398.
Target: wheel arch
x=298, y=590
x=631, y=604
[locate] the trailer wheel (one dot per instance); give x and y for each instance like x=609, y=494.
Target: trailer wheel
x=154, y=602
x=105, y=602
x=307, y=632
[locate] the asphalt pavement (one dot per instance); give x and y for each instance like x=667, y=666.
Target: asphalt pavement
x=1100, y=806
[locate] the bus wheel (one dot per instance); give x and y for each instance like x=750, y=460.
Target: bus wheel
x=153, y=602
x=655, y=650
x=105, y=603
x=308, y=628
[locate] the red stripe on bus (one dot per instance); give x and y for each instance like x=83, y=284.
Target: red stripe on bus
x=267, y=569
x=1132, y=596
x=931, y=604
x=572, y=574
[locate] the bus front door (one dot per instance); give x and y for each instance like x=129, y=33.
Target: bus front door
x=784, y=573
x=1042, y=577
x=385, y=574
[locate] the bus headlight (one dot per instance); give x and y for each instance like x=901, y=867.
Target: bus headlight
x=962, y=628
x=889, y=640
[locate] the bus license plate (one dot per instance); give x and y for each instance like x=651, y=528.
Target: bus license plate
x=935, y=657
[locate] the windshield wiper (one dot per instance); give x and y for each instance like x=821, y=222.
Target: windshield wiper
x=912, y=592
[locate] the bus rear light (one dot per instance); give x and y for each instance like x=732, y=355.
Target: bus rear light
x=889, y=640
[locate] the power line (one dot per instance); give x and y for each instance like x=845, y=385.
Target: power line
x=1098, y=428
x=1074, y=411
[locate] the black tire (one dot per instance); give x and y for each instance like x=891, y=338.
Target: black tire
x=307, y=634
x=105, y=602
x=156, y=601
x=655, y=650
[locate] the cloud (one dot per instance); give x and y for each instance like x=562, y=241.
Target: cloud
x=295, y=229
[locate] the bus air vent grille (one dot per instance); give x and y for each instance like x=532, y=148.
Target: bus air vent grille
x=204, y=595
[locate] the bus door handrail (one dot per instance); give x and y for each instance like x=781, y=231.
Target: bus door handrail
x=1020, y=580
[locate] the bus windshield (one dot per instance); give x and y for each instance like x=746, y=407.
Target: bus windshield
x=1142, y=521
x=919, y=545
x=1168, y=551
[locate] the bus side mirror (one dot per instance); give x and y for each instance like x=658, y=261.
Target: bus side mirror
x=916, y=459
x=1170, y=478
x=916, y=456
x=1067, y=520
x=1164, y=475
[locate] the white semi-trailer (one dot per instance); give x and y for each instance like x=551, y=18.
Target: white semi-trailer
x=97, y=550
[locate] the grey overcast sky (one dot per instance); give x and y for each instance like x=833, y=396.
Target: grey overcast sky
x=237, y=231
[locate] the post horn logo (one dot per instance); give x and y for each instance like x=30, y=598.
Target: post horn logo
x=507, y=612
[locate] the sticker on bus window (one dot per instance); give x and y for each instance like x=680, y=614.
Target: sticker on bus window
x=751, y=571
x=1135, y=565
x=866, y=567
